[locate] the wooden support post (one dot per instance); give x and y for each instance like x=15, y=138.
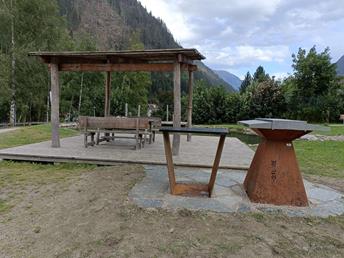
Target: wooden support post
x=169, y=160
x=190, y=82
x=55, y=105
x=107, y=94
x=139, y=111
x=216, y=164
x=167, y=114
x=126, y=110
x=177, y=107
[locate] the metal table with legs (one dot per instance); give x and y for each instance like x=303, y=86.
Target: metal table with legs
x=195, y=189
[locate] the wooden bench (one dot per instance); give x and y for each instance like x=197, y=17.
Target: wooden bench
x=137, y=129
x=155, y=125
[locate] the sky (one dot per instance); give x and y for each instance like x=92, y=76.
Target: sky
x=239, y=35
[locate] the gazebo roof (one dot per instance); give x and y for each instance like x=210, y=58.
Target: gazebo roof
x=129, y=60
x=104, y=56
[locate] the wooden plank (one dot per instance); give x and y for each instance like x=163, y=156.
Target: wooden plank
x=169, y=160
x=176, y=106
x=216, y=164
x=128, y=67
x=190, y=82
x=195, y=189
x=117, y=67
x=55, y=106
x=102, y=161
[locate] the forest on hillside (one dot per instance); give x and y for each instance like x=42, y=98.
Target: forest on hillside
x=313, y=92
x=54, y=25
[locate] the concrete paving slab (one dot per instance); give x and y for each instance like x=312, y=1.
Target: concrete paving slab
x=228, y=195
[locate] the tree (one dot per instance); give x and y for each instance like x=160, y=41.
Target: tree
x=260, y=75
x=265, y=99
x=246, y=82
x=4, y=87
x=209, y=103
x=9, y=15
x=29, y=26
x=315, y=80
x=130, y=87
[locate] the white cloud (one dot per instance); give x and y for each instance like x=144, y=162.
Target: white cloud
x=237, y=33
x=174, y=19
x=246, y=55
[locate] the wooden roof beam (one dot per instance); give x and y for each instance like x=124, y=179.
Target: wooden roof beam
x=156, y=67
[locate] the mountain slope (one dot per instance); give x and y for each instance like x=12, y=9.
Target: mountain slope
x=340, y=66
x=114, y=24
x=230, y=78
x=211, y=76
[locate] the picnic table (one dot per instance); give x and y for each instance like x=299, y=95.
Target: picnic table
x=194, y=189
x=274, y=176
x=137, y=128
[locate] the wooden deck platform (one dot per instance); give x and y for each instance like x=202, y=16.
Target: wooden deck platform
x=198, y=153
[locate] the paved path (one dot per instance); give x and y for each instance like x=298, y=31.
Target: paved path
x=5, y=130
x=199, y=153
x=228, y=195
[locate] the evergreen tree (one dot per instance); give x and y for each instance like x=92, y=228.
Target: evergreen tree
x=260, y=75
x=246, y=82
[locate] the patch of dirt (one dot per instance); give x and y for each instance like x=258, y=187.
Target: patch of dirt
x=91, y=216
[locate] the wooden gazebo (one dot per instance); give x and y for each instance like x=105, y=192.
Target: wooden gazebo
x=157, y=60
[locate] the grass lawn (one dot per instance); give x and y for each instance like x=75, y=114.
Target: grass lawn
x=31, y=134
x=336, y=129
x=20, y=175
x=231, y=127
x=24, y=173
x=321, y=158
